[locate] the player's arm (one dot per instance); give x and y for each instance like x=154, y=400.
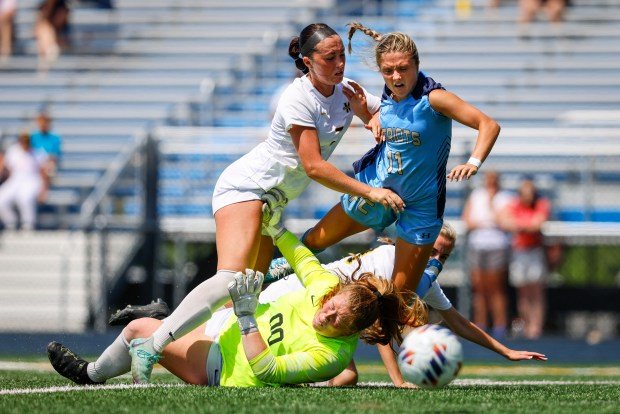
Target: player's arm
x=348, y=376
x=468, y=330
x=389, y=360
x=306, y=142
x=298, y=367
x=305, y=264
x=455, y=108
x=295, y=368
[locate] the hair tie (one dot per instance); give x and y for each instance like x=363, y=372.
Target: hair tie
x=378, y=294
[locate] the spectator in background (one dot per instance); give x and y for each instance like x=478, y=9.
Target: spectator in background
x=46, y=145
x=489, y=251
x=524, y=217
x=25, y=184
x=7, y=20
x=554, y=9
x=529, y=9
x=51, y=30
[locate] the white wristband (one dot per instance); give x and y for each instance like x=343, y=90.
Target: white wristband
x=474, y=161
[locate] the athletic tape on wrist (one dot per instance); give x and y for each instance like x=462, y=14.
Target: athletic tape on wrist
x=474, y=161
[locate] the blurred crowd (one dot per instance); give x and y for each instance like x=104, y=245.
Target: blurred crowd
x=506, y=247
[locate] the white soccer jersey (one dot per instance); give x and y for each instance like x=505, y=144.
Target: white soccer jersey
x=379, y=261
x=275, y=162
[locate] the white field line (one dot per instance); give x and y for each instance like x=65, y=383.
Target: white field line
x=455, y=383
x=72, y=388
x=45, y=366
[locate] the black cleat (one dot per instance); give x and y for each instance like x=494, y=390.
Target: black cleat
x=68, y=364
x=156, y=309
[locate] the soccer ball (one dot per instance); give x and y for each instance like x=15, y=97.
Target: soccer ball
x=430, y=356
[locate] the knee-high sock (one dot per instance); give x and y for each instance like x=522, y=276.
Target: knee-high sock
x=195, y=309
x=114, y=361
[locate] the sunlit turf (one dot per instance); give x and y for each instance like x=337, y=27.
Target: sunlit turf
x=499, y=388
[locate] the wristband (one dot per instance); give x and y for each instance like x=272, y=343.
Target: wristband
x=247, y=324
x=474, y=161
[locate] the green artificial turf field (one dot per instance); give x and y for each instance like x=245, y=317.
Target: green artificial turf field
x=504, y=388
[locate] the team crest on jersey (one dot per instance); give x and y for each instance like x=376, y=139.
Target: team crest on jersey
x=346, y=107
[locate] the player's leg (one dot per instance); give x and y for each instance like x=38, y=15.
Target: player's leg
x=335, y=226
x=114, y=360
x=237, y=237
x=187, y=357
x=409, y=263
x=417, y=229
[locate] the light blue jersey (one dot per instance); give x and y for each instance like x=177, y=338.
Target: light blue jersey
x=411, y=162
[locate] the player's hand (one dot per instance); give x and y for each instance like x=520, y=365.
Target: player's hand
x=374, y=125
x=463, y=171
x=357, y=98
x=406, y=384
x=388, y=198
x=274, y=201
x=244, y=292
x=525, y=355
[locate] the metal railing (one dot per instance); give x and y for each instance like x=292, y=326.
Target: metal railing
x=109, y=231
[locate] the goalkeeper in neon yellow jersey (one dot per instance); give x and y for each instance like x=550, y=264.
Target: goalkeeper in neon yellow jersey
x=306, y=336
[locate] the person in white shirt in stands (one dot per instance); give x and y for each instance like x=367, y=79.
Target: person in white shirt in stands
x=25, y=184
x=488, y=252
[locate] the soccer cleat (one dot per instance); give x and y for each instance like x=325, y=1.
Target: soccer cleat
x=156, y=309
x=143, y=358
x=278, y=269
x=69, y=364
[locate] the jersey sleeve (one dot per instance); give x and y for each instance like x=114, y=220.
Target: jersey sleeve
x=436, y=298
x=299, y=367
x=304, y=263
x=372, y=102
x=294, y=109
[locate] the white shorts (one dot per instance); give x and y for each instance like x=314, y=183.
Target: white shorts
x=232, y=188
x=528, y=266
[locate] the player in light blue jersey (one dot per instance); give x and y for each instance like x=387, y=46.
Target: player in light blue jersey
x=414, y=133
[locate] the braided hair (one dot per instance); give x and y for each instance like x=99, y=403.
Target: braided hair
x=395, y=42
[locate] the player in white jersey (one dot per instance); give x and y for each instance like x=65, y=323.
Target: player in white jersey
x=314, y=113
x=380, y=261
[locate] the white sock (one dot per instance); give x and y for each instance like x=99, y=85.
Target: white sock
x=195, y=309
x=114, y=361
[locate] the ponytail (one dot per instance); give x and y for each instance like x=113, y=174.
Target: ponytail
x=377, y=308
